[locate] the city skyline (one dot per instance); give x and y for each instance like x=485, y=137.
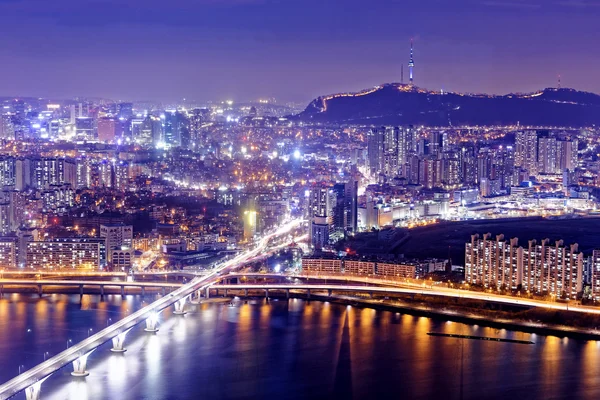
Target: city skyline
x=248, y=199
x=248, y=49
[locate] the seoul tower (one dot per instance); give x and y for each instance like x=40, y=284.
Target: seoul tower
x=411, y=63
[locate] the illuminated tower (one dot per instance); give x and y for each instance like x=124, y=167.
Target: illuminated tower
x=411, y=63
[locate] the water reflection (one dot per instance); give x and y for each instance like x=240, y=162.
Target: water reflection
x=34, y=328
x=301, y=350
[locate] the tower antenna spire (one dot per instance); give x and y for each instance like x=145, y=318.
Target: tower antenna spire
x=411, y=64
x=559, y=81
x=402, y=74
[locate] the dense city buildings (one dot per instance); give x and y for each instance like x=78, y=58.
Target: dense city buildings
x=178, y=186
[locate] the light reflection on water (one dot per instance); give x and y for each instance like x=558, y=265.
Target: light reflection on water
x=31, y=326
x=300, y=350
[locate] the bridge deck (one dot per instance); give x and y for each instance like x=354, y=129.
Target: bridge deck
x=464, y=294
x=46, y=282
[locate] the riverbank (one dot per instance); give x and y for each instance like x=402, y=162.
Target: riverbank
x=469, y=317
x=500, y=320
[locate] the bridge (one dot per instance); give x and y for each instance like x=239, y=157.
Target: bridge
x=329, y=289
x=14, y=273
x=32, y=379
x=40, y=284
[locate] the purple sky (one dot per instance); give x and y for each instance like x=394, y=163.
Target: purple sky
x=292, y=49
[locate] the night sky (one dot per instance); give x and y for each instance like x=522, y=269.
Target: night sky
x=292, y=49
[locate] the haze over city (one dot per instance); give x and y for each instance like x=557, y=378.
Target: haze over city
x=317, y=199
x=291, y=50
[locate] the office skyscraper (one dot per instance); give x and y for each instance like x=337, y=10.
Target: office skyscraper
x=176, y=129
x=321, y=206
x=107, y=130
x=125, y=110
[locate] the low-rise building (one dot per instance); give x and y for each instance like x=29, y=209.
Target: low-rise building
x=63, y=254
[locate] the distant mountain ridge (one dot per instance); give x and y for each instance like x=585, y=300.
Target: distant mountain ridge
x=400, y=104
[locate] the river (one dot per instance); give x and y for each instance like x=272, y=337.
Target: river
x=290, y=349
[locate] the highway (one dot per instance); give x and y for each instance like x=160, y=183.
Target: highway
x=39, y=274
x=29, y=282
x=66, y=273
x=39, y=372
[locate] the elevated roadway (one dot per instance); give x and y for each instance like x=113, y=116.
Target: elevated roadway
x=449, y=293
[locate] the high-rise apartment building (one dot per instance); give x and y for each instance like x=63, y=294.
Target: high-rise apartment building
x=389, y=149
x=375, y=146
x=567, y=156
x=595, y=275
x=539, y=268
x=526, y=151
x=547, y=154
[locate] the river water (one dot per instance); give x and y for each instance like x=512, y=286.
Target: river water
x=290, y=349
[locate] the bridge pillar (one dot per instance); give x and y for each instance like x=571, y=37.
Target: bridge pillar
x=208, y=292
x=329, y=292
x=1, y=291
x=245, y=292
x=118, y=342
x=308, y=293
x=267, y=293
x=226, y=292
x=164, y=291
x=33, y=391
x=287, y=293
x=152, y=323
x=180, y=306
x=122, y=291
x=40, y=290
x=217, y=292
x=80, y=290
x=370, y=295
x=143, y=290
x=101, y=290
x=79, y=365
